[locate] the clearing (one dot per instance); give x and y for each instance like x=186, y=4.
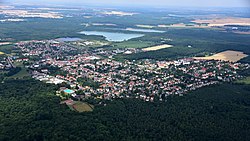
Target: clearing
x=157, y=47
x=232, y=56
x=81, y=107
x=1, y=53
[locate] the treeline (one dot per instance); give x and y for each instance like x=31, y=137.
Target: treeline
x=31, y=111
x=192, y=42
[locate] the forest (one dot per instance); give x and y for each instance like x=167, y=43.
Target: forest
x=31, y=111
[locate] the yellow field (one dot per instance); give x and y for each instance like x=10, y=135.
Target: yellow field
x=225, y=21
x=4, y=43
x=1, y=53
x=157, y=47
x=242, y=32
x=232, y=56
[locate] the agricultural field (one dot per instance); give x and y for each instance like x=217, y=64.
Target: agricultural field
x=224, y=21
x=1, y=53
x=153, y=48
x=232, y=56
x=4, y=43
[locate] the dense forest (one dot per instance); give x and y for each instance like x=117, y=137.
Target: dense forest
x=30, y=111
x=201, y=42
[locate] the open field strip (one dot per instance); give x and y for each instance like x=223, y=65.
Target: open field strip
x=1, y=53
x=145, y=26
x=225, y=21
x=157, y=47
x=244, y=81
x=232, y=56
x=4, y=43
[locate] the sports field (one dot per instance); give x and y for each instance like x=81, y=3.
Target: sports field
x=81, y=107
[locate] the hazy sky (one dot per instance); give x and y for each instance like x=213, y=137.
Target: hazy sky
x=153, y=3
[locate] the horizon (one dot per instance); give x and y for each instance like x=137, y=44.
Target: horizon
x=140, y=3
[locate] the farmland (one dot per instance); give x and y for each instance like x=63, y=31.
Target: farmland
x=153, y=48
x=4, y=43
x=232, y=56
x=224, y=21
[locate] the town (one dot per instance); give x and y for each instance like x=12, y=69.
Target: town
x=94, y=73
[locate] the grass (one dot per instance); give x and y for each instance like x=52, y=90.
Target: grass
x=6, y=49
x=133, y=44
x=244, y=81
x=23, y=73
x=1, y=53
x=81, y=107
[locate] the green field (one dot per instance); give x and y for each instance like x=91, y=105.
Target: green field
x=133, y=44
x=6, y=49
x=244, y=81
x=21, y=74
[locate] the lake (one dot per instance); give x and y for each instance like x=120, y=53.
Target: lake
x=68, y=39
x=113, y=36
x=144, y=30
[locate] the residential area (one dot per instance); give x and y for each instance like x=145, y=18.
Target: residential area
x=93, y=73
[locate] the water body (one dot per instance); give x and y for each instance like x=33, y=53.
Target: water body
x=68, y=39
x=113, y=36
x=144, y=30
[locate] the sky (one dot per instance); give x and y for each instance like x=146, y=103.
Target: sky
x=134, y=3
